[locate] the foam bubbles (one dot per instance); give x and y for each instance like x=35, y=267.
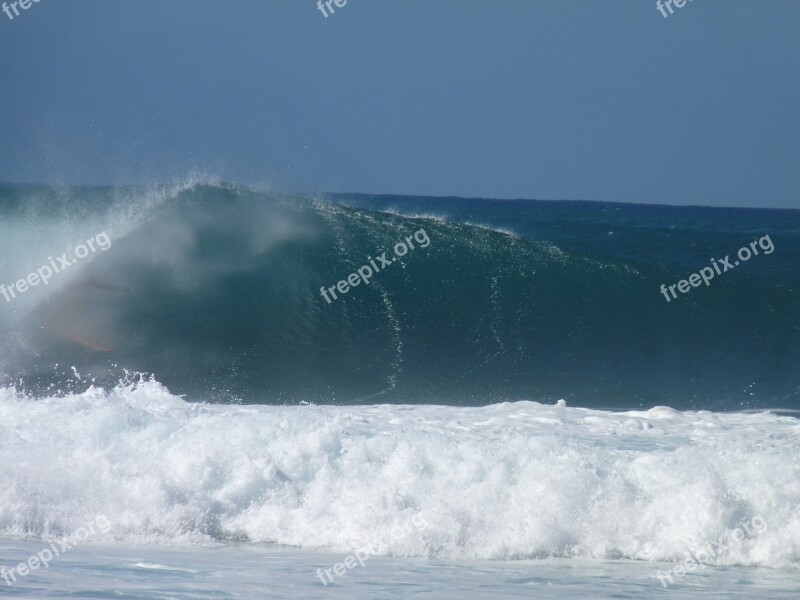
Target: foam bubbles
x=503, y=481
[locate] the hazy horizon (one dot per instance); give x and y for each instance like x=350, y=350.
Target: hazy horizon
x=256, y=186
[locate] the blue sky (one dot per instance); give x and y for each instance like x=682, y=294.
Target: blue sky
x=563, y=99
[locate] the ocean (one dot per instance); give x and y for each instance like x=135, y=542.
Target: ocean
x=213, y=391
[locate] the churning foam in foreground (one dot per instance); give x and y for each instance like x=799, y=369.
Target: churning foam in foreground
x=503, y=481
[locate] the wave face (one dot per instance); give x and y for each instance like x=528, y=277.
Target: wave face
x=512, y=480
x=215, y=289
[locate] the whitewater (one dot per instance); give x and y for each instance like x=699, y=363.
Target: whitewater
x=511, y=481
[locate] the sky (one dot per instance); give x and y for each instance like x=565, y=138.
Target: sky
x=557, y=99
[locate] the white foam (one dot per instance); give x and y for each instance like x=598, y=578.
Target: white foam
x=502, y=481
x=495, y=228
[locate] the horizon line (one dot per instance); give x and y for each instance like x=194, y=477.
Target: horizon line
x=260, y=188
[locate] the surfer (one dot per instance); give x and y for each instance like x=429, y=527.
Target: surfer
x=81, y=286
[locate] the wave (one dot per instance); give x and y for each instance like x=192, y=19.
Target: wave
x=504, y=481
x=215, y=289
